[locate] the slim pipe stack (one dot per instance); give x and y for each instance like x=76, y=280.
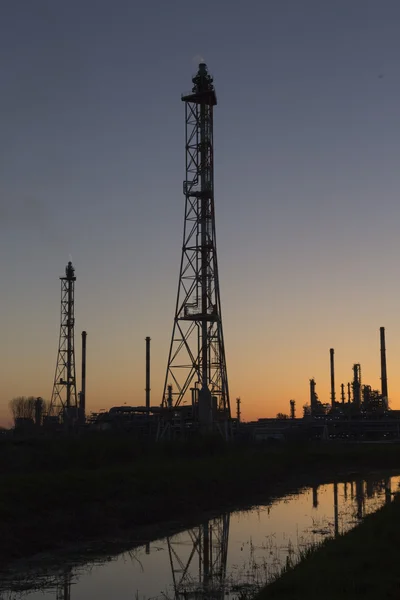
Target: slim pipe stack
x=383, y=369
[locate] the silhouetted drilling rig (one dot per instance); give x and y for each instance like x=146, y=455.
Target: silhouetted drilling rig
x=64, y=401
x=64, y=407
x=196, y=394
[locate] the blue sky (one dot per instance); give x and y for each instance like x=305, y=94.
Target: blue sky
x=306, y=188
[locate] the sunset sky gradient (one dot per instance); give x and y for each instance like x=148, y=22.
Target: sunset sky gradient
x=307, y=183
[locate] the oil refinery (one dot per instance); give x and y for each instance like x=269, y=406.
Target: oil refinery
x=195, y=398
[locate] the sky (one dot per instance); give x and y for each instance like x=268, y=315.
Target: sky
x=307, y=182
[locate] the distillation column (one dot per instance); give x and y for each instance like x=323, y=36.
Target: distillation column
x=292, y=409
x=313, y=398
x=238, y=413
x=357, y=386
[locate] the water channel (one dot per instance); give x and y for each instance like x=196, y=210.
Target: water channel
x=225, y=558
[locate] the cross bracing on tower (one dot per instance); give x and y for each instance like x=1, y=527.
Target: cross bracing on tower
x=64, y=397
x=196, y=372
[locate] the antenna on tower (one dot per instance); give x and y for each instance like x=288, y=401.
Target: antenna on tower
x=197, y=354
x=64, y=398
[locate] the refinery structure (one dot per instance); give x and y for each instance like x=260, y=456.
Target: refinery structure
x=361, y=399
x=195, y=398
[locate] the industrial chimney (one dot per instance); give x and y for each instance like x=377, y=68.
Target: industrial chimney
x=383, y=370
x=148, y=373
x=82, y=399
x=332, y=356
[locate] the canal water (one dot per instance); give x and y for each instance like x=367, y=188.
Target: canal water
x=228, y=557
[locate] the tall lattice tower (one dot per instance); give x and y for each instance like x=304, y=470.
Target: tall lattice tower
x=196, y=362
x=64, y=398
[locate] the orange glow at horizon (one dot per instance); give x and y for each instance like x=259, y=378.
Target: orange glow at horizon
x=265, y=387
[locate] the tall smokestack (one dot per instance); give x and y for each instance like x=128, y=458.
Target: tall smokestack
x=148, y=373
x=82, y=403
x=332, y=356
x=383, y=369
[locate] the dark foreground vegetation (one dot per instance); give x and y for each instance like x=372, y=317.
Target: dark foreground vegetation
x=56, y=492
x=364, y=563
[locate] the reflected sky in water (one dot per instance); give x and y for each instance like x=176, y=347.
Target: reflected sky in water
x=219, y=558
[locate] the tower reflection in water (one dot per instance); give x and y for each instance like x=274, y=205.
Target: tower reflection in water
x=63, y=590
x=315, y=496
x=202, y=574
x=197, y=559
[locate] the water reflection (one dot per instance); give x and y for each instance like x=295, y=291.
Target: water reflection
x=221, y=558
x=360, y=498
x=315, y=496
x=336, y=508
x=388, y=490
x=209, y=552
x=63, y=591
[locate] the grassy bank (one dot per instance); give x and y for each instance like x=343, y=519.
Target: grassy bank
x=56, y=492
x=362, y=564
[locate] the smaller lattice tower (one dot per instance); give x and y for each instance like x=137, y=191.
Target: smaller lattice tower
x=64, y=397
